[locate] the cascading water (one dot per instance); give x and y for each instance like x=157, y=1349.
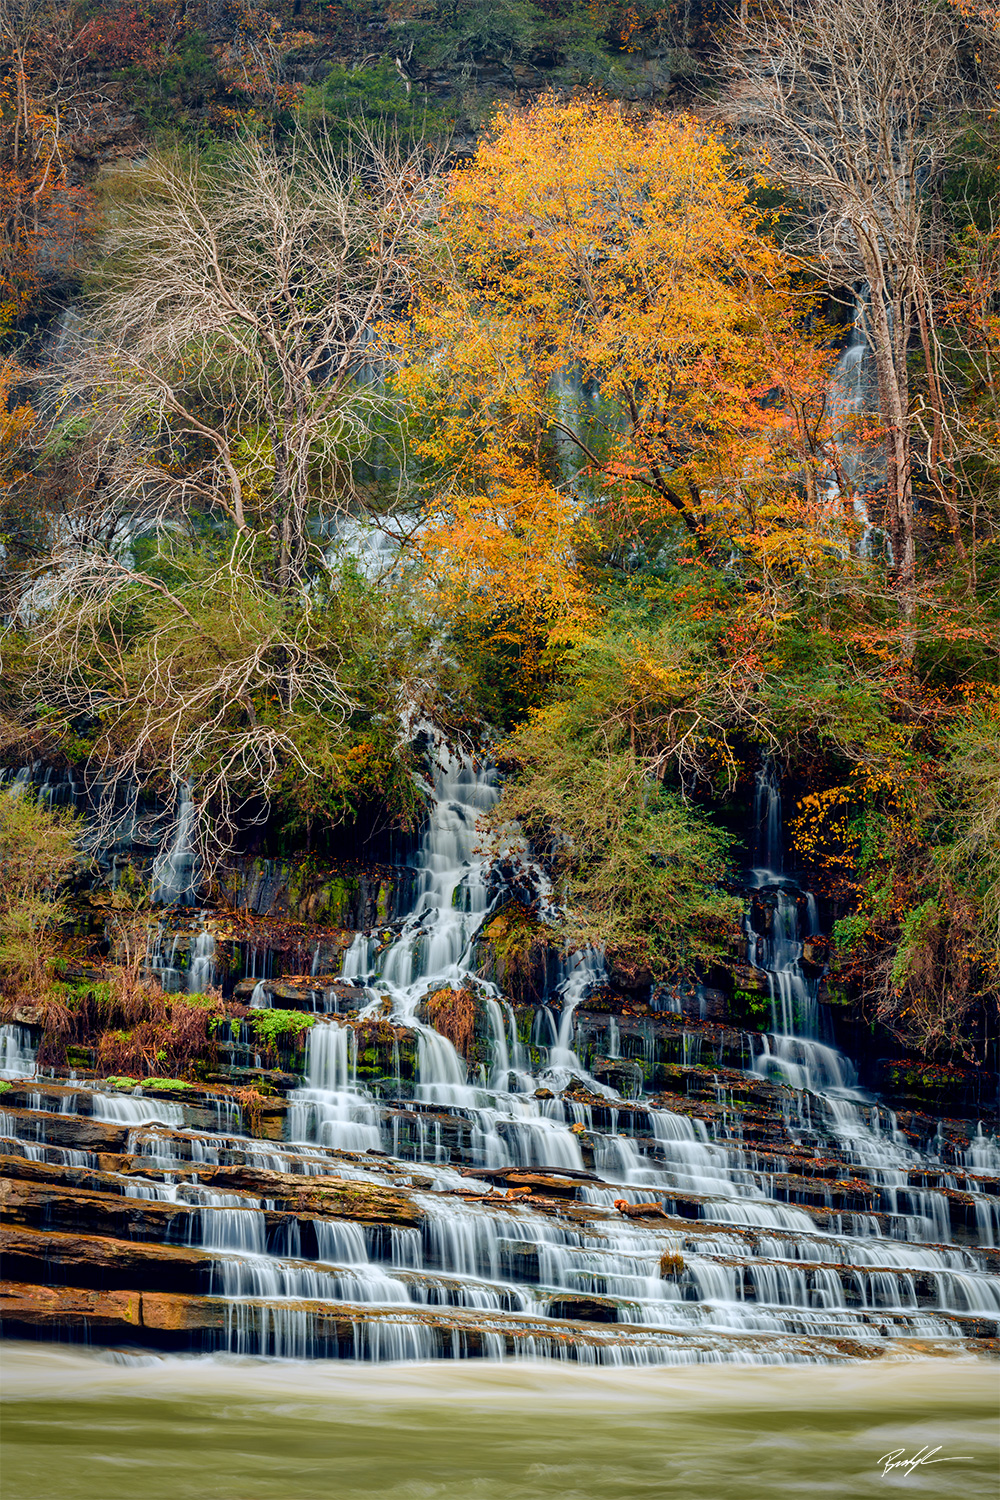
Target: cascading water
x=868, y=1136
x=738, y=1257
x=434, y=951
x=852, y=397
x=202, y=970
x=175, y=871
x=17, y=1055
x=775, y=942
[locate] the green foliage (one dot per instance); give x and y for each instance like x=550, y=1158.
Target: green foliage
x=971, y=187
x=149, y=1085
x=337, y=752
x=919, y=851
x=97, y=990
x=170, y=93
x=972, y=805
x=917, y=929
x=39, y=851
x=377, y=638
x=572, y=41
x=850, y=932
x=460, y=35
x=271, y=1026
x=640, y=872
x=205, y=1002
x=508, y=663
x=372, y=97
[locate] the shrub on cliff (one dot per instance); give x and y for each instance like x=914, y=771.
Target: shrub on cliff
x=39, y=851
x=640, y=872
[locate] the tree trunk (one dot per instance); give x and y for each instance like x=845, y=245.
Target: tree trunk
x=889, y=326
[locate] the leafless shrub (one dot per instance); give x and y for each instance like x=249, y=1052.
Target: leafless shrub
x=855, y=106
x=228, y=377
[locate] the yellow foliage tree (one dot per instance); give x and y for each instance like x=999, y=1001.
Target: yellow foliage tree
x=602, y=288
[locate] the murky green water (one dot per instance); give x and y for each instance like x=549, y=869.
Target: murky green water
x=76, y=1427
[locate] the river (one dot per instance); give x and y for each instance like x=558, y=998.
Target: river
x=79, y=1426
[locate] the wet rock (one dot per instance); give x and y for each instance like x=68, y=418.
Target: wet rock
x=73, y=1131
x=326, y=1197
x=39, y=1205
x=631, y=980
x=518, y=953
x=26, y=1308
x=554, y=1184
x=622, y=1074
x=751, y=980
x=43, y=1255
x=26, y=1015
x=641, y=1210
x=584, y=1309
x=815, y=955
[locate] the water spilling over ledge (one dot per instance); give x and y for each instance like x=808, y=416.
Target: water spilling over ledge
x=573, y=1191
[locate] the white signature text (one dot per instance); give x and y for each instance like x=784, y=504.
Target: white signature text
x=897, y=1460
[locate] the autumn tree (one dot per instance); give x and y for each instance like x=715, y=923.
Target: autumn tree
x=47, y=107
x=605, y=318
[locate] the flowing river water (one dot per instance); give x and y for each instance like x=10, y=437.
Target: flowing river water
x=79, y=1427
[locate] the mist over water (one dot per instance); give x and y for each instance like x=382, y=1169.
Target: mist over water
x=81, y=1427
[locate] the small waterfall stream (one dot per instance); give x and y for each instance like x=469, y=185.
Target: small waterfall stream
x=175, y=870
x=853, y=398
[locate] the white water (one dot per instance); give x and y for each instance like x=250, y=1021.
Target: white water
x=757, y=1276
x=201, y=974
x=786, y=1292
x=17, y=1055
x=853, y=400
x=134, y=1109
x=175, y=871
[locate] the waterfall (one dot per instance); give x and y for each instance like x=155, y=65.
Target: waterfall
x=329, y=1107
x=852, y=397
x=202, y=970
x=434, y=951
x=778, y=950
x=583, y=971
x=134, y=1109
x=17, y=1056
x=794, y=1056
x=802, y=1226
x=260, y=996
x=175, y=870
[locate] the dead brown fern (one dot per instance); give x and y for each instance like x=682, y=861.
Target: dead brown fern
x=453, y=1014
x=251, y=1105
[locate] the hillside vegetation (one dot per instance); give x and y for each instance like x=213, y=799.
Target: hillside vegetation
x=485, y=364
